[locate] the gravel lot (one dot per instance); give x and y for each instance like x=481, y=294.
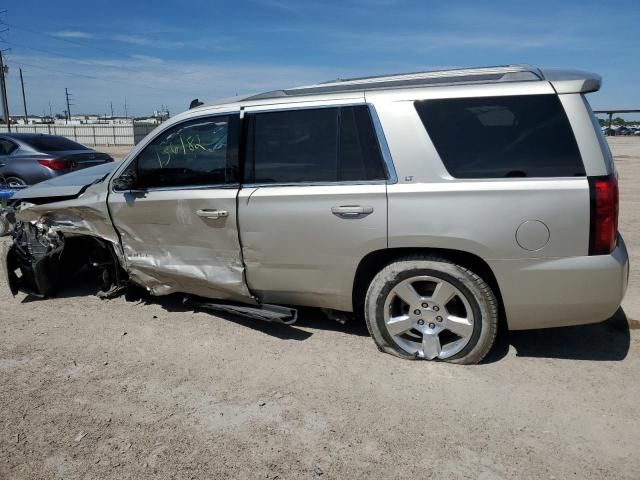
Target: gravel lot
x=148, y=389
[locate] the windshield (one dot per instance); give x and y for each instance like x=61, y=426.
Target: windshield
x=52, y=144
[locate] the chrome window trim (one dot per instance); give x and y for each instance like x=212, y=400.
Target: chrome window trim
x=213, y=186
x=249, y=109
x=314, y=184
x=391, y=179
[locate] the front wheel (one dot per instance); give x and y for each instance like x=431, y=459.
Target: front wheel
x=430, y=308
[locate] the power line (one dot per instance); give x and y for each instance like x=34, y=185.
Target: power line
x=74, y=74
x=79, y=44
x=129, y=57
x=36, y=49
x=81, y=61
x=72, y=42
x=85, y=62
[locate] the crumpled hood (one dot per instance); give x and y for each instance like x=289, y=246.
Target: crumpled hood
x=68, y=185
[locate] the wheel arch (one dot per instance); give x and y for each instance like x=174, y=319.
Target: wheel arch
x=375, y=261
x=10, y=174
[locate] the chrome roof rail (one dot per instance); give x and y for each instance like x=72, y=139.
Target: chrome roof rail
x=507, y=73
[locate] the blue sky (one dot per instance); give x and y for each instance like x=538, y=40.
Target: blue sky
x=169, y=52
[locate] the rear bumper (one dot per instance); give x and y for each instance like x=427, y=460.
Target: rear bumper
x=562, y=291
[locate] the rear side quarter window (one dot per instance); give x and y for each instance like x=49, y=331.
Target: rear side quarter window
x=7, y=147
x=506, y=136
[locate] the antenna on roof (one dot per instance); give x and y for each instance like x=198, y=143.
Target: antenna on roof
x=195, y=103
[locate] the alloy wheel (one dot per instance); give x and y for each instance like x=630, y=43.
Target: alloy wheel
x=428, y=317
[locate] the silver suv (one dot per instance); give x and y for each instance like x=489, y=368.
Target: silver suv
x=431, y=203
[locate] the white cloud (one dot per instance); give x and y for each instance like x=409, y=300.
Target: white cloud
x=72, y=34
x=145, y=41
x=146, y=58
x=281, y=5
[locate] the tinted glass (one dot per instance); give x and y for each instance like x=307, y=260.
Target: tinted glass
x=198, y=152
x=315, y=145
x=494, y=137
x=6, y=146
x=295, y=146
x=52, y=144
x=360, y=156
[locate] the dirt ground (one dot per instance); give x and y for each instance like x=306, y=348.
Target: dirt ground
x=149, y=389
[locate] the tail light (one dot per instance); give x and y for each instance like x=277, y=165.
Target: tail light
x=603, y=233
x=55, y=164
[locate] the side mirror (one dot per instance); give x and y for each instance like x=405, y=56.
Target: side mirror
x=127, y=181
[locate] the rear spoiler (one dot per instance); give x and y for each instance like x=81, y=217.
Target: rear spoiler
x=572, y=81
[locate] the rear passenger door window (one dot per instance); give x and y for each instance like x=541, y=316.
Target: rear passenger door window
x=321, y=145
x=506, y=136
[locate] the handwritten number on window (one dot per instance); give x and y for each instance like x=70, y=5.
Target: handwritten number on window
x=186, y=145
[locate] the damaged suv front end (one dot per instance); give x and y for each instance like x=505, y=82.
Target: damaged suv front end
x=62, y=227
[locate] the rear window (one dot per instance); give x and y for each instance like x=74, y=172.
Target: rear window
x=509, y=136
x=52, y=144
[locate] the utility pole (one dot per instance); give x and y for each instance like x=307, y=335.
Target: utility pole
x=24, y=100
x=50, y=111
x=111, y=103
x=3, y=91
x=126, y=114
x=67, y=95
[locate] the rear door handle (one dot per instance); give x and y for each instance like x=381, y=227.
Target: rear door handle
x=351, y=211
x=212, y=213
x=3, y=165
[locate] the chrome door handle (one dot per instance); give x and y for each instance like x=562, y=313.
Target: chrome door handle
x=3, y=165
x=351, y=211
x=212, y=213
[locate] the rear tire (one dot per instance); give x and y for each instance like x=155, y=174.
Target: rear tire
x=431, y=308
x=13, y=181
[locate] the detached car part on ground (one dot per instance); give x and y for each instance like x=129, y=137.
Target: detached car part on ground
x=429, y=203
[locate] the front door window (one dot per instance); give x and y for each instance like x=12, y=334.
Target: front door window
x=195, y=153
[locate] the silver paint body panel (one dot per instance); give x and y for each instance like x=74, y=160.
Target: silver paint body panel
x=298, y=252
